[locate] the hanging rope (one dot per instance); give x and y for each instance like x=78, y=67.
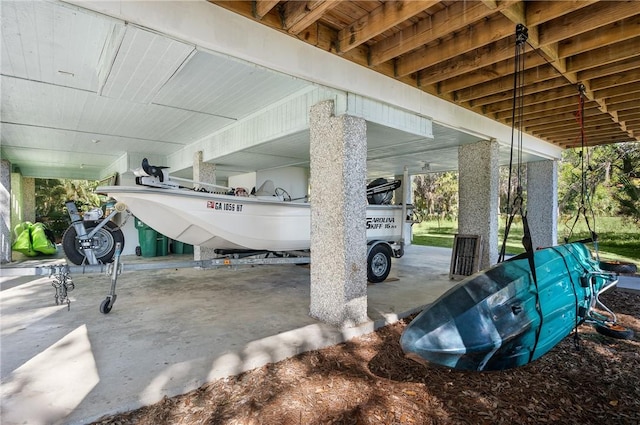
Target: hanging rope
x=584, y=193
x=516, y=207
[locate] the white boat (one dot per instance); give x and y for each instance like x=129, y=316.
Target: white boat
x=238, y=222
x=262, y=220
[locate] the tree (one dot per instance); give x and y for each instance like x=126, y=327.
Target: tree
x=436, y=195
x=601, y=179
x=52, y=194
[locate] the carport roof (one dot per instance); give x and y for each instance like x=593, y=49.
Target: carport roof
x=88, y=89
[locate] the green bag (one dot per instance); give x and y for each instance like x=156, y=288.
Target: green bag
x=41, y=241
x=22, y=243
x=33, y=239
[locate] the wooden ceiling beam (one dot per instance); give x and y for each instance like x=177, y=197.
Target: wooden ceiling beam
x=602, y=83
x=607, y=70
x=298, y=15
x=487, y=74
x=246, y=8
x=569, y=125
x=539, y=12
x=388, y=15
x=600, y=37
x=585, y=19
x=262, y=7
x=604, y=55
x=469, y=62
x=564, y=117
x=528, y=89
x=617, y=90
x=475, y=37
x=545, y=115
x=533, y=99
x=628, y=105
x=504, y=86
x=529, y=111
x=629, y=97
x=455, y=17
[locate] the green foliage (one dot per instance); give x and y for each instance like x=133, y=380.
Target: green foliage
x=616, y=241
x=600, y=179
x=436, y=196
x=51, y=195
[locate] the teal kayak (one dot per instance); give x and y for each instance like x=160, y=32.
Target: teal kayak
x=505, y=317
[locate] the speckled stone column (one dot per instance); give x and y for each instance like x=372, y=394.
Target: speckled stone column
x=338, y=211
x=542, y=202
x=206, y=173
x=29, y=199
x=5, y=211
x=478, y=196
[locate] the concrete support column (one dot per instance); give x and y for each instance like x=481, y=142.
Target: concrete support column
x=338, y=212
x=206, y=173
x=5, y=211
x=29, y=199
x=479, y=176
x=542, y=202
x=404, y=195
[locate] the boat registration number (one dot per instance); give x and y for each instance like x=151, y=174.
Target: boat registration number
x=224, y=206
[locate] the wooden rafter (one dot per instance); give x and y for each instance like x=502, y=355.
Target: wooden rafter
x=462, y=51
x=388, y=15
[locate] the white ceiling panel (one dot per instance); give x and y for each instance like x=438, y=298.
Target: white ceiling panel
x=79, y=143
x=143, y=63
x=54, y=43
x=218, y=85
x=292, y=146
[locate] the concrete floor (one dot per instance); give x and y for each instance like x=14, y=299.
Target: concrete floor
x=172, y=330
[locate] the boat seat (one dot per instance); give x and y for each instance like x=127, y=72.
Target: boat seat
x=266, y=189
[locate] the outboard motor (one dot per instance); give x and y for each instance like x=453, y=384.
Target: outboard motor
x=153, y=175
x=380, y=191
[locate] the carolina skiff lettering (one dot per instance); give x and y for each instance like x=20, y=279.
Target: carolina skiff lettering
x=380, y=222
x=224, y=206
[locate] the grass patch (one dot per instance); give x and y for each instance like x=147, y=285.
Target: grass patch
x=617, y=240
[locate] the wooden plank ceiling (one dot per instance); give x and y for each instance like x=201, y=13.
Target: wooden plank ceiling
x=463, y=51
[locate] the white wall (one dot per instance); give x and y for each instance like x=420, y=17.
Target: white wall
x=248, y=181
x=294, y=180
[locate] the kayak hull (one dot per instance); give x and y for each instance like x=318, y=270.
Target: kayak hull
x=502, y=317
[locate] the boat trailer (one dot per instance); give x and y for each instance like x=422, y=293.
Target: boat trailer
x=63, y=283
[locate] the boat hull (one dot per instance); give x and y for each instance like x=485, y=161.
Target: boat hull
x=501, y=318
x=236, y=222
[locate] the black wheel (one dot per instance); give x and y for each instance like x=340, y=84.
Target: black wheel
x=378, y=263
x=614, y=331
x=104, y=242
x=618, y=267
x=138, y=251
x=105, y=306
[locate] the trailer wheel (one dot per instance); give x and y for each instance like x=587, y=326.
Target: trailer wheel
x=378, y=264
x=105, y=240
x=614, y=331
x=105, y=306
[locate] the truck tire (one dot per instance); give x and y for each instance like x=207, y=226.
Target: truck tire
x=378, y=263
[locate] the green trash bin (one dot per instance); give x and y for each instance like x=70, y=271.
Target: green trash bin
x=152, y=243
x=148, y=239
x=162, y=245
x=178, y=247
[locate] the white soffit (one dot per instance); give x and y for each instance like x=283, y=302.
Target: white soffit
x=219, y=85
x=40, y=42
x=144, y=61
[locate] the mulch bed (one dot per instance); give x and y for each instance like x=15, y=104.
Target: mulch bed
x=369, y=381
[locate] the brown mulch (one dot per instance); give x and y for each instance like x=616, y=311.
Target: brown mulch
x=369, y=381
